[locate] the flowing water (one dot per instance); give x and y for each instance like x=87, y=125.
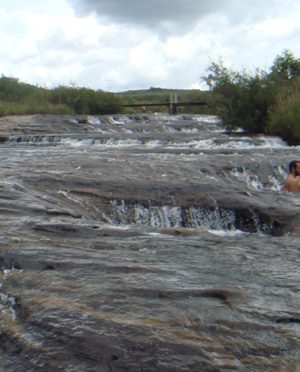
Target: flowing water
x=162, y=236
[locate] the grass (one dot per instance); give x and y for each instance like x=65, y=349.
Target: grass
x=31, y=108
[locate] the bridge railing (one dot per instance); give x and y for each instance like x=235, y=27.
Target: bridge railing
x=171, y=105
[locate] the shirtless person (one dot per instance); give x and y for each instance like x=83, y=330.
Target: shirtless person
x=292, y=183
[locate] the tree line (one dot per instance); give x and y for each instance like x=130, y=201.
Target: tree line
x=260, y=102
x=17, y=97
x=263, y=101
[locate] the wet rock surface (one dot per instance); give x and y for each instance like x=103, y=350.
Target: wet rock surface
x=150, y=243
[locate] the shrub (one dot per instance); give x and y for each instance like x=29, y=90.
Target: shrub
x=86, y=101
x=284, y=116
x=241, y=99
x=260, y=102
x=21, y=98
x=19, y=108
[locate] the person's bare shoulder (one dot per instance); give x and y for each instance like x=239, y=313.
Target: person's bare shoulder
x=292, y=184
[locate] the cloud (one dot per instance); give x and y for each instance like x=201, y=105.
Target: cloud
x=177, y=16
x=118, y=45
x=165, y=15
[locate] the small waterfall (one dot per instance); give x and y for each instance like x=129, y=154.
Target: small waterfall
x=252, y=180
x=123, y=213
x=43, y=139
x=215, y=219
x=8, y=302
x=274, y=181
x=164, y=216
x=154, y=216
x=105, y=142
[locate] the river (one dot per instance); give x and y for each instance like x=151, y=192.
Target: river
x=146, y=243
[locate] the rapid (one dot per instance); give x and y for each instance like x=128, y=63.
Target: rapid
x=146, y=242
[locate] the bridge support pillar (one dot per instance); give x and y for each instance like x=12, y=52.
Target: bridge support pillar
x=173, y=104
x=173, y=109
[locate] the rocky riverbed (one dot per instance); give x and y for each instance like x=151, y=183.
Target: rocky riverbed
x=146, y=243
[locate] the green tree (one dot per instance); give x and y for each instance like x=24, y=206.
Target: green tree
x=85, y=100
x=241, y=99
x=17, y=97
x=11, y=89
x=285, y=67
x=284, y=115
x=261, y=102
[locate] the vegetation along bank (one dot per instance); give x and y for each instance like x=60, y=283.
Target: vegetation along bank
x=259, y=102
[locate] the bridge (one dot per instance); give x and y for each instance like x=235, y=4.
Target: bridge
x=172, y=105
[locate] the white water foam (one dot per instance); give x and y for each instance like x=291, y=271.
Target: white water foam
x=119, y=143
x=189, y=130
x=252, y=181
x=111, y=142
x=120, y=120
x=93, y=120
x=275, y=183
x=227, y=232
x=207, y=119
x=273, y=142
x=231, y=143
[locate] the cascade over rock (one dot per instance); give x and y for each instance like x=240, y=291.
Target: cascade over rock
x=146, y=242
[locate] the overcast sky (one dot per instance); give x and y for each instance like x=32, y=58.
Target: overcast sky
x=117, y=45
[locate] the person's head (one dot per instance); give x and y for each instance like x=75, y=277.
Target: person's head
x=294, y=167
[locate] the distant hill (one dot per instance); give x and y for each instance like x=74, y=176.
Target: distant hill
x=158, y=91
